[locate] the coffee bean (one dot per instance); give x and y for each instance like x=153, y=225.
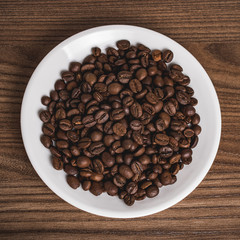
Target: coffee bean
x=123, y=44
x=118, y=114
x=169, y=108
x=124, y=76
x=114, y=88
x=125, y=171
x=96, y=188
x=46, y=141
x=88, y=121
x=144, y=159
x=156, y=55
x=108, y=159
x=119, y=129
x=137, y=137
x=165, y=151
x=189, y=110
x=137, y=167
x=110, y=188
x=65, y=125
x=183, y=97
x=197, y=129
x=161, y=139
x=141, y=74
x=186, y=153
x=129, y=200
x=119, y=180
x=136, y=110
x=135, y=85
x=73, y=181
x=70, y=170
x=167, y=56
x=96, y=148
x=175, y=159
x=86, y=185
x=194, y=142
x=57, y=163
x=83, y=162
x=108, y=140
x=188, y=133
x=166, y=178
x=45, y=100
x=101, y=116
x=131, y=188
x=45, y=116
x=84, y=143
x=48, y=129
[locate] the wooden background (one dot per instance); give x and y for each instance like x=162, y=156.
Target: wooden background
x=210, y=30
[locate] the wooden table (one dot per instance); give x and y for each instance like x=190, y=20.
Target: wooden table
x=210, y=30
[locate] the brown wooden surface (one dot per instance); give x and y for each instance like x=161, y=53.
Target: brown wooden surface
x=210, y=30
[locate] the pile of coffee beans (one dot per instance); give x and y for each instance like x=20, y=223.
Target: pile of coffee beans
x=123, y=122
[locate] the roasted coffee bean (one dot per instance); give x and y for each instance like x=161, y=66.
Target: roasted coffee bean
x=137, y=137
x=84, y=142
x=101, y=116
x=137, y=167
x=182, y=97
x=189, y=110
x=108, y=140
x=161, y=139
x=136, y=110
x=188, y=133
x=141, y=74
x=96, y=188
x=123, y=44
x=152, y=98
x=57, y=163
x=108, y=159
x=166, y=178
x=70, y=170
x=197, y=129
x=175, y=159
x=132, y=188
x=129, y=200
x=65, y=125
x=96, y=177
x=125, y=171
x=119, y=129
x=96, y=148
x=144, y=159
x=98, y=166
x=45, y=100
x=135, y=85
x=86, y=185
x=114, y=88
x=156, y=55
x=48, y=129
x=73, y=181
x=83, y=162
x=45, y=116
x=119, y=180
x=186, y=153
x=124, y=76
x=89, y=121
x=152, y=191
x=169, y=108
x=194, y=142
x=195, y=119
x=148, y=108
x=118, y=114
x=110, y=188
x=166, y=151
x=46, y=141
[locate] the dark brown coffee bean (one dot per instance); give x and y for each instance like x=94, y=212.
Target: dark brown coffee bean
x=195, y=119
x=135, y=85
x=48, y=129
x=197, y=129
x=108, y=140
x=175, y=159
x=73, y=182
x=144, y=159
x=46, y=141
x=86, y=185
x=152, y=98
x=129, y=200
x=101, y=116
x=62, y=144
x=166, y=151
x=166, y=178
x=83, y=162
x=90, y=78
x=137, y=137
x=169, y=108
x=96, y=51
x=194, y=142
x=96, y=177
x=152, y=191
x=167, y=56
x=89, y=121
x=57, y=163
x=148, y=108
x=123, y=44
x=45, y=116
x=186, y=153
x=96, y=188
x=108, y=159
x=131, y=188
x=141, y=74
x=124, y=76
x=110, y=188
x=96, y=148
x=70, y=170
x=125, y=171
x=161, y=139
x=84, y=142
x=68, y=76
x=137, y=167
x=98, y=166
x=188, y=133
x=189, y=110
x=118, y=114
x=136, y=110
x=119, y=180
x=183, y=97
x=114, y=88
x=45, y=100
x=75, y=67
x=119, y=129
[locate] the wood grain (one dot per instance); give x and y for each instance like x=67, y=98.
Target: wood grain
x=30, y=29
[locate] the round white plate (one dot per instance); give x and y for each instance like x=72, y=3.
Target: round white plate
x=76, y=48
